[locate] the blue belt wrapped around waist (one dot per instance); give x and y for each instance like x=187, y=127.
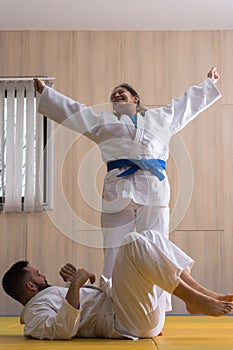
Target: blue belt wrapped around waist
x=152, y=165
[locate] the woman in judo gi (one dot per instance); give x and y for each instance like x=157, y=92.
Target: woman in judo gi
x=134, y=143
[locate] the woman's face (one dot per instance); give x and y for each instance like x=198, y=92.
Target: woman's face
x=123, y=101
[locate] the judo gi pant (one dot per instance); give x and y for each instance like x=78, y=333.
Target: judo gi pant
x=147, y=267
x=134, y=217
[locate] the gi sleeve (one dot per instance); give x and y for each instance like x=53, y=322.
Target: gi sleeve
x=68, y=112
x=195, y=100
x=42, y=322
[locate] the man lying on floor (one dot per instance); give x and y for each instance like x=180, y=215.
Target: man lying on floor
x=147, y=268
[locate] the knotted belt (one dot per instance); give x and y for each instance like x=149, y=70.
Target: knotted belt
x=152, y=165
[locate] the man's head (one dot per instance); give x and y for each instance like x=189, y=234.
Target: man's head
x=23, y=281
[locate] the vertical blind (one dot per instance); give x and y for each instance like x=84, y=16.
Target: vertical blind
x=22, y=145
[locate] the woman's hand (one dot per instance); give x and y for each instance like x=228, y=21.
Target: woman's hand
x=214, y=75
x=38, y=85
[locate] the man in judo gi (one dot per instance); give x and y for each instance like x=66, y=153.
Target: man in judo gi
x=130, y=305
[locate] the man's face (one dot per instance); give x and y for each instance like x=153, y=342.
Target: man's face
x=37, y=278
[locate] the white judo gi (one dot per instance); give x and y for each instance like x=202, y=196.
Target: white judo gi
x=139, y=201
x=133, y=307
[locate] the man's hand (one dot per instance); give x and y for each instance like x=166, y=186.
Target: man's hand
x=38, y=85
x=214, y=75
x=82, y=276
x=69, y=273
x=77, y=278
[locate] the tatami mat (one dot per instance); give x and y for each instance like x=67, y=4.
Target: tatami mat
x=180, y=333
x=196, y=332
x=11, y=338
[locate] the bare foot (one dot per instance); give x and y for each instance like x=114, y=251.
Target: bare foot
x=188, y=279
x=225, y=297
x=198, y=303
x=217, y=296
x=209, y=306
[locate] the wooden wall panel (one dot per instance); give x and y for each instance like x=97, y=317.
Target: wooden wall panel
x=50, y=53
x=226, y=65
x=203, y=139
x=207, y=269
x=162, y=65
x=32, y=53
x=97, y=69
x=227, y=155
x=87, y=182
x=48, y=249
x=97, y=65
x=11, y=53
x=12, y=248
x=146, y=57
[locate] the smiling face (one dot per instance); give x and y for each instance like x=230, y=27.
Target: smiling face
x=124, y=102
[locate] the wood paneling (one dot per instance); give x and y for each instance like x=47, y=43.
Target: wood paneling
x=227, y=155
x=226, y=65
x=162, y=65
x=12, y=248
x=207, y=269
x=48, y=248
x=202, y=140
x=97, y=65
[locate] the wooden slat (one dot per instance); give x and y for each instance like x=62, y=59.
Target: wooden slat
x=12, y=249
x=207, y=250
x=226, y=50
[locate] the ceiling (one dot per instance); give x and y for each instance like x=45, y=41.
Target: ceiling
x=116, y=15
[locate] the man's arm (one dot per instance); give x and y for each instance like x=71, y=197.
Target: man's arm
x=78, y=278
x=41, y=319
x=50, y=316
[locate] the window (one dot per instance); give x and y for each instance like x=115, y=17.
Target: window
x=26, y=148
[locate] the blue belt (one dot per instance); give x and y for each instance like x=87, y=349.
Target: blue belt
x=152, y=165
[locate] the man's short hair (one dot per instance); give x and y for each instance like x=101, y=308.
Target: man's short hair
x=13, y=279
